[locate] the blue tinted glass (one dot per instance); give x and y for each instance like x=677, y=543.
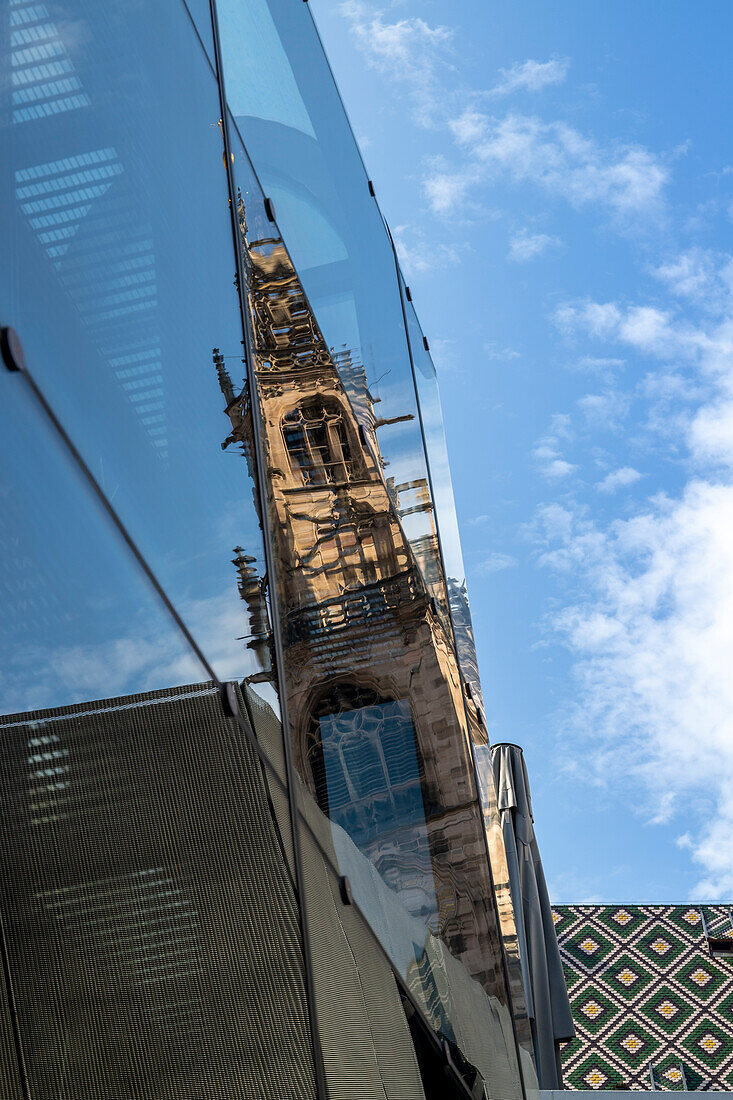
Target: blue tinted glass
x=79, y=619
x=123, y=292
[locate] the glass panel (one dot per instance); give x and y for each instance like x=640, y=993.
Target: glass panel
x=122, y=291
x=374, y=694
x=79, y=621
x=281, y=95
x=426, y=382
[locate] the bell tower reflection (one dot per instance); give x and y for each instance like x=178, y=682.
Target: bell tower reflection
x=374, y=692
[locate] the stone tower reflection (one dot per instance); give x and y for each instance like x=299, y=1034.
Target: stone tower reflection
x=375, y=696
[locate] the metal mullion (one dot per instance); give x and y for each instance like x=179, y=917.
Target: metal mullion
x=504, y=964
x=320, y=1077
x=13, y=1013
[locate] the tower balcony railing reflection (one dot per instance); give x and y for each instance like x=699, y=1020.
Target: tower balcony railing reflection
x=368, y=604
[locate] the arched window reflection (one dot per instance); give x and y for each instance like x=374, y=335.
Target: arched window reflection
x=369, y=779
x=364, y=760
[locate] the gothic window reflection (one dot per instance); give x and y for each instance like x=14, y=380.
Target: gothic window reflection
x=318, y=443
x=364, y=759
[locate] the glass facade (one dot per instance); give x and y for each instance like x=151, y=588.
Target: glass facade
x=249, y=841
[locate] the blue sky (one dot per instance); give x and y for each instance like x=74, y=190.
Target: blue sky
x=559, y=179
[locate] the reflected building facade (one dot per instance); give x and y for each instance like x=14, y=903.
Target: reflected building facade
x=248, y=837
x=374, y=692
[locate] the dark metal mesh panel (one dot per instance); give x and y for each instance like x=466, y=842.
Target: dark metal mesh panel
x=150, y=915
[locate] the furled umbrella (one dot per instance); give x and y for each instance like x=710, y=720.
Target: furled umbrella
x=547, y=996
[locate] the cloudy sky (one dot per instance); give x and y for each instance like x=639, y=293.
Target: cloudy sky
x=559, y=179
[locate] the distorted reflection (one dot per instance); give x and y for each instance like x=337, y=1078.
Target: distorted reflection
x=375, y=696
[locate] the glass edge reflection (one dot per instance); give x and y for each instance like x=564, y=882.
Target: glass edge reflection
x=320, y=1075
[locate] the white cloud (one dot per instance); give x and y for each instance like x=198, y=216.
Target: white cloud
x=493, y=351
x=711, y=433
x=593, y=318
x=649, y=620
x=409, y=51
x=532, y=76
x=495, y=563
x=602, y=365
x=557, y=468
x=618, y=479
x=445, y=188
x=419, y=254
x=468, y=127
x=526, y=246
x=547, y=454
x=604, y=410
x=692, y=274
x=627, y=179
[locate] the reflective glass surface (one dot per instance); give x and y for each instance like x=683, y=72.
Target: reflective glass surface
x=200, y=13
x=79, y=621
x=426, y=383
x=123, y=294
x=374, y=695
x=284, y=102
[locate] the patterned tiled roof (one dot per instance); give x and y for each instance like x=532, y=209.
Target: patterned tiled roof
x=645, y=992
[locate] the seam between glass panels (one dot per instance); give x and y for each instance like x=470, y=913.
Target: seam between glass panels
x=198, y=35
x=320, y=1076
x=115, y=518
x=494, y=906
